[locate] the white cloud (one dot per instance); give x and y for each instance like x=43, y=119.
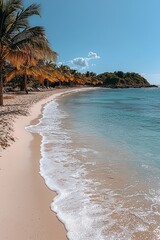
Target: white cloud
x=80, y=62
x=93, y=55
x=83, y=62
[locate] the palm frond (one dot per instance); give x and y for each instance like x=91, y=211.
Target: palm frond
x=20, y=58
x=21, y=20
x=8, y=11
x=14, y=25
x=36, y=40
x=28, y=34
x=33, y=9
x=11, y=6
x=13, y=73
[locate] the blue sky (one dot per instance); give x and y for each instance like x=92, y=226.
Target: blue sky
x=104, y=35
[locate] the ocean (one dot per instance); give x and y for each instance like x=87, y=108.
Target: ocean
x=101, y=154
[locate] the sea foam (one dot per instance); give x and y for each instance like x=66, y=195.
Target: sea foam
x=65, y=174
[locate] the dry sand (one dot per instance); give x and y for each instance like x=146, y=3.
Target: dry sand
x=24, y=198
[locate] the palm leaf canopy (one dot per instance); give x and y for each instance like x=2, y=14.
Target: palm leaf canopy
x=20, y=43
x=37, y=72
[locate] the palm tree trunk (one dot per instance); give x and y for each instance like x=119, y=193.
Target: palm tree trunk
x=1, y=83
x=25, y=84
x=42, y=84
x=47, y=84
x=22, y=86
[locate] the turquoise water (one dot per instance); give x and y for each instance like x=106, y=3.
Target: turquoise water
x=101, y=153
x=128, y=118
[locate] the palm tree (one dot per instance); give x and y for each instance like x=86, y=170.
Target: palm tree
x=37, y=72
x=42, y=71
x=20, y=43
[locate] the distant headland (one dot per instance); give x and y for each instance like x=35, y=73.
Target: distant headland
x=120, y=79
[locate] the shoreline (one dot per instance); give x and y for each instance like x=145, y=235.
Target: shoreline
x=25, y=199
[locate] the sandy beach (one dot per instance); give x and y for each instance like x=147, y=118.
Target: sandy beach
x=25, y=200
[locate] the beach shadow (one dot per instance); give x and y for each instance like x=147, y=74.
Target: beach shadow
x=15, y=112
x=15, y=105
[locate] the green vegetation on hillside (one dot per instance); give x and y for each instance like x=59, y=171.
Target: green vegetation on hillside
x=122, y=80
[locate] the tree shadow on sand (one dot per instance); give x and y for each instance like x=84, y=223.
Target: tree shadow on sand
x=15, y=112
